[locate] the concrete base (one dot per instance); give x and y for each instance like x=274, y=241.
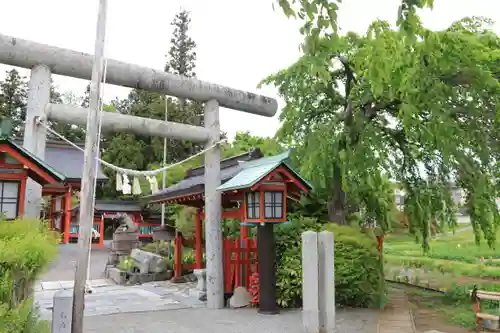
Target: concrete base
x=181, y=279
x=116, y=275
x=140, y=278
x=122, y=278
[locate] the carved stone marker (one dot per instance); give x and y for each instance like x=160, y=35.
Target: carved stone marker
x=61, y=313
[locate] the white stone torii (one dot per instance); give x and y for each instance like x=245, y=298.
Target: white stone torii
x=44, y=60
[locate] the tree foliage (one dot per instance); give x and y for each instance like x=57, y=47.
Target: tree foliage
x=13, y=99
x=143, y=152
x=401, y=104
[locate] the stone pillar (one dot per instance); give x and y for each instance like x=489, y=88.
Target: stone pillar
x=326, y=255
x=35, y=136
x=318, y=282
x=310, y=282
x=213, y=229
x=61, y=312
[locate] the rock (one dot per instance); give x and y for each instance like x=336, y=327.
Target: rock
x=116, y=275
x=240, y=298
x=148, y=262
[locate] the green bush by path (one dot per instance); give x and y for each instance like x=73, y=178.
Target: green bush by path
x=26, y=248
x=359, y=279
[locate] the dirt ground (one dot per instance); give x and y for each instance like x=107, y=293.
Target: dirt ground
x=427, y=320
x=426, y=317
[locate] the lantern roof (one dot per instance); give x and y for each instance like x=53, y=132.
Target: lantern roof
x=237, y=172
x=253, y=171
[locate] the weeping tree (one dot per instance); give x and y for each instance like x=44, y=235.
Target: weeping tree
x=405, y=105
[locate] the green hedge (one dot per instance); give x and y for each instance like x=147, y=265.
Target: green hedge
x=26, y=248
x=359, y=277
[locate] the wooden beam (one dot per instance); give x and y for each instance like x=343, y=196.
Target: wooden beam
x=87, y=195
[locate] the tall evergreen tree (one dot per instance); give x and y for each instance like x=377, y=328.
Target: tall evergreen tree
x=181, y=60
x=13, y=99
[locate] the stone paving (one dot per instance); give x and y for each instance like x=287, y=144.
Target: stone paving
x=168, y=307
x=396, y=316
x=224, y=321
x=107, y=298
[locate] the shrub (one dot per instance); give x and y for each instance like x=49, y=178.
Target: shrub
x=359, y=273
x=26, y=248
x=359, y=277
x=160, y=248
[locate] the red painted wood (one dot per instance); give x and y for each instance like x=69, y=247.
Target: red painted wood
x=198, y=248
x=178, y=256
x=67, y=214
x=22, y=193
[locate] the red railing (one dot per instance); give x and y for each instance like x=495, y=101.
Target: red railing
x=239, y=260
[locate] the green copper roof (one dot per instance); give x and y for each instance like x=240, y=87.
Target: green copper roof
x=253, y=171
x=26, y=153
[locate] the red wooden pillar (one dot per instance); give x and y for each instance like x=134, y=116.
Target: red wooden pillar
x=199, y=238
x=22, y=193
x=178, y=256
x=67, y=214
x=245, y=267
x=52, y=212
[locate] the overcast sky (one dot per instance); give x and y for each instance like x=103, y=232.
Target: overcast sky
x=239, y=41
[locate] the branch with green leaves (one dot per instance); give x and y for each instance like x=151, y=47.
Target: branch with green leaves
x=364, y=110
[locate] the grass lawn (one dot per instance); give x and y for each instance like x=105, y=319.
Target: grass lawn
x=452, y=259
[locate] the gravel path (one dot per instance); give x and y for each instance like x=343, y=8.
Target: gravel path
x=224, y=321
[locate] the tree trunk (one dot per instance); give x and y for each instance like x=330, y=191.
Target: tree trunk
x=337, y=205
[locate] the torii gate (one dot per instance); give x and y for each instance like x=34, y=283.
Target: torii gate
x=44, y=59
